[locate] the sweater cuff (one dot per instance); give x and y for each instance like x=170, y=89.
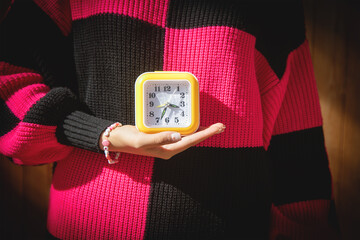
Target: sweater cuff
x=82, y=130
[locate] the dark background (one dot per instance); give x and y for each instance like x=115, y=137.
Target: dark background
x=333, y=30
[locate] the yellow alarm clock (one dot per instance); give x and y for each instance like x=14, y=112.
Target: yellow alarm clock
x=167, y=101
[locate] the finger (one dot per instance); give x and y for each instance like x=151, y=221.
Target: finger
x=196, y=138
x=157, y=139
x=203, y=134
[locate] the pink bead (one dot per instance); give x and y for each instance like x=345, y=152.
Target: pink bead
x=105, y=143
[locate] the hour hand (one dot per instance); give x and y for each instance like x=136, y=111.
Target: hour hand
x=173, y=105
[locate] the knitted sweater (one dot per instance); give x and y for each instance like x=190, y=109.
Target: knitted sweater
x=68, y=71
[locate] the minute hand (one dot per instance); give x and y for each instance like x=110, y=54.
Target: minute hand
x=163, y=112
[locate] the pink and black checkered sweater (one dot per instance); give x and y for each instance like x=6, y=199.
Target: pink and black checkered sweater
x=68, y=71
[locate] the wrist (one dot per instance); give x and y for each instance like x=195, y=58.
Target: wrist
x=105, y=142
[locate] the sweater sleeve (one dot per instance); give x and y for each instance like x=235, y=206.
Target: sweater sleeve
x=41, y=117
x=303, y=200
x=303, y=206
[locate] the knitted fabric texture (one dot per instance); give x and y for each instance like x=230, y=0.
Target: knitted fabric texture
x=67, y=71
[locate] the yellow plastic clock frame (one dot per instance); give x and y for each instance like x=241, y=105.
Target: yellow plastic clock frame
x=166, y=75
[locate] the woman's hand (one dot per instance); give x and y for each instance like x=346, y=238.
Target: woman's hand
x=160, y=145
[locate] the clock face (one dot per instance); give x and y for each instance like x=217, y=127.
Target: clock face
x=167, y=103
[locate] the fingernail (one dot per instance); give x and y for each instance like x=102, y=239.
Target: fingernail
x=221, y=129
x=175, y=136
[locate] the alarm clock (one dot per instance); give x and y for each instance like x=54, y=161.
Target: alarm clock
x=167, y=101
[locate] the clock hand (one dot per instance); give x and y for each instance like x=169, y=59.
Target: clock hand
x=162, y=105
x=173, y=105
x=163, y=112
x=168, y=102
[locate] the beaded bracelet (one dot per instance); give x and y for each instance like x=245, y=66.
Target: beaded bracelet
x=106, y=143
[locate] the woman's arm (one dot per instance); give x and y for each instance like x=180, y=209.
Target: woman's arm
x=161, y=145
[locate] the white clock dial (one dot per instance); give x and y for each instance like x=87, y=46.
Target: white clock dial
x=167, y=103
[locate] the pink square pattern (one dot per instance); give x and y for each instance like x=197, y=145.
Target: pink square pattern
x=152, y=11
x=222, y=59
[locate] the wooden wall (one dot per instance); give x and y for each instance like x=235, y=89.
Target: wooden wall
x=333, y=29
x=24, y=195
